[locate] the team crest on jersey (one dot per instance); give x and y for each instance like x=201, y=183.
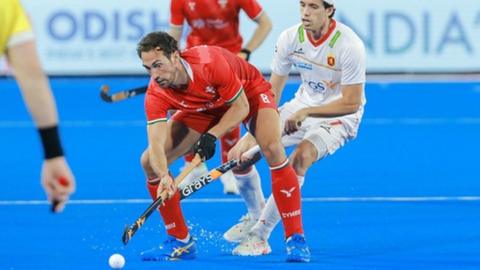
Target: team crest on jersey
x=210, y=89
x=223, y=3
x=331, y=60
x=191, y=5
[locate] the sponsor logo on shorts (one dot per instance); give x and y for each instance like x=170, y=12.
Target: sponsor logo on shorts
x=327, y=127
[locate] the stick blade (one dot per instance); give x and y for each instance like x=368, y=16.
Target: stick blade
x=104, y=89
x=127, y=234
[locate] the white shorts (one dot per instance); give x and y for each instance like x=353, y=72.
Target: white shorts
x=326, y=134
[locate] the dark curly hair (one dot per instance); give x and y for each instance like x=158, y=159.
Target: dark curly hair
x=159, y=39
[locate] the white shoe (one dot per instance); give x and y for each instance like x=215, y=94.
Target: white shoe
x=252, y=245
x=196, y=173
x=239, y=231
x=229, y=183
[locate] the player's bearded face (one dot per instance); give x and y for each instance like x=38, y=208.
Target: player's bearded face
x=162, y=69
x=314, y=15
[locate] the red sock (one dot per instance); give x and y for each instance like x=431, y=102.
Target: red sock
x=171, y=212
x=228, y=141
x=189, y=157
x=286, y=192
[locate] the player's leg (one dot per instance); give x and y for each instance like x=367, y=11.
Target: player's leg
x=227, y=142
x=285, y=187
x=319, y=139
x=250, y=189
x=256, y=242
x=179, y=141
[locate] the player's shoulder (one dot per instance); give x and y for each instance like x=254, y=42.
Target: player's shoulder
x=291, y=35
x=203, y=54
x=344, y=36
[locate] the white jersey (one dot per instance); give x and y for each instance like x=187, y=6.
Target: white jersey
x=324, y=65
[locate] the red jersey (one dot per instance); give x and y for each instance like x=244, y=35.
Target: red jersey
x=217, y=78
x=213, y=22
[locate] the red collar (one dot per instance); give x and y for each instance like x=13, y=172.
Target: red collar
x=316, y=43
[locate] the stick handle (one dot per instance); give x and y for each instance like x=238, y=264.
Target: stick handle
x=120, y=95
x=178, y=180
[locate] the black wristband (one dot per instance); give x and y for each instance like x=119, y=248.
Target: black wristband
x=247, y=52
x=51, y=142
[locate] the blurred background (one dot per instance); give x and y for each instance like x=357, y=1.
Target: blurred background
x=418, y=141
x=401, y=37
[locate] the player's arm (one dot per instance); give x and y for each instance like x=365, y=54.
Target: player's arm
x=157, y=136
x=176, y=32
x=264, y=26
x=176, y=20
x=205, y=146
x=280, y=66
x=244, y=144
x=239, y=109
x=349, y=103
x=278, y=83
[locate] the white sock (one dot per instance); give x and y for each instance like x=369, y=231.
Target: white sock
x=185, y=240
x=270, y=216
x=251, y=191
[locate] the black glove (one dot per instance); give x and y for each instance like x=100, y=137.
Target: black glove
x=205, y=146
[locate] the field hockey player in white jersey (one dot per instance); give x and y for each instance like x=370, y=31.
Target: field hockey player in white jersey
x=324, y=114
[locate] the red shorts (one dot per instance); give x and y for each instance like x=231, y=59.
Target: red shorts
x=203, y=121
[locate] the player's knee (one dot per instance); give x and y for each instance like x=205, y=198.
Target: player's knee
x=302, y=159
x=273, y=150
x=145, y=160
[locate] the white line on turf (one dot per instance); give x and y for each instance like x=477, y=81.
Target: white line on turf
x=238, y=200
x=408, y=121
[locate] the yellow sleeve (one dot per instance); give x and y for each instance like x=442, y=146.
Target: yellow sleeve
x=13, y=23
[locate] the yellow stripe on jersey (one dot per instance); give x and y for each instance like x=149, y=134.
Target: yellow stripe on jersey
x=154, y=121
x=236, y=96
x=14, y=24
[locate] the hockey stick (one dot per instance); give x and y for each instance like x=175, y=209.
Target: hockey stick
x=189, y=190
x=121, y=95
x=130, y=230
